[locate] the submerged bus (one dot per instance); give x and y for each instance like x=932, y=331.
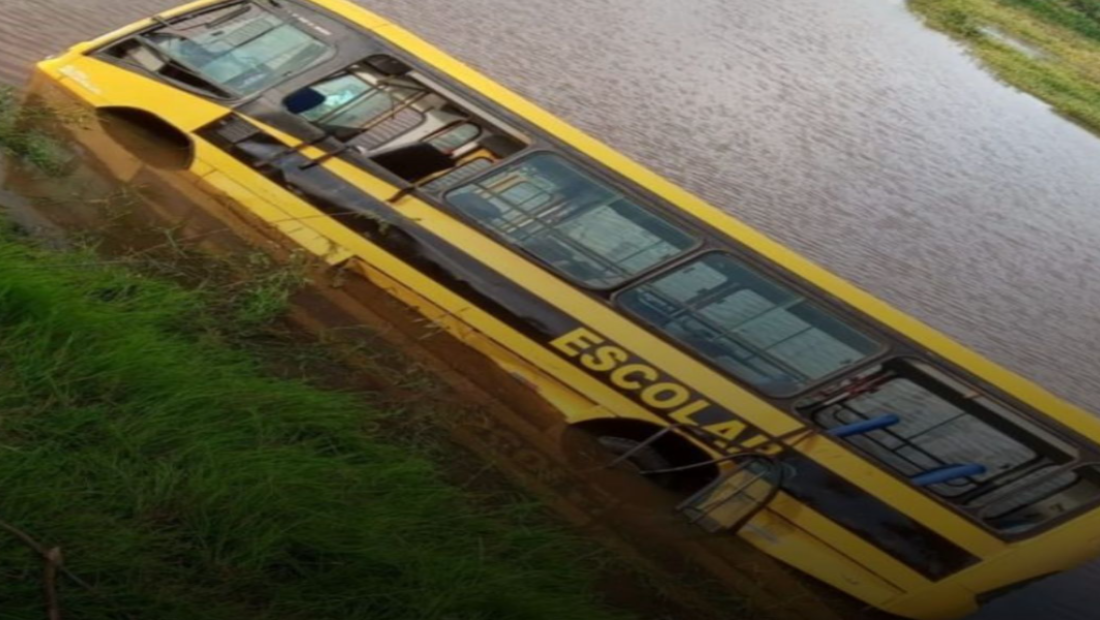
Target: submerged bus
x=783, y=404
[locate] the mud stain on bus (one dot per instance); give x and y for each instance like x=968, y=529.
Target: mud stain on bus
x=131, y=211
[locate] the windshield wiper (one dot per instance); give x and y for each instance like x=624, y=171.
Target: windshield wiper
x=192, y=21
x=177, y=65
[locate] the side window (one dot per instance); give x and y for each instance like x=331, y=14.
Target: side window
x=453, y=138
x=1036, y=499
x=348, y=101
x=352, y=105
x=955, y=442
x=756, y=328
x=573, y=223
x=389, y=115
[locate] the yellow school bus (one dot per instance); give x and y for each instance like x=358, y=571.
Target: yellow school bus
x=777, y=401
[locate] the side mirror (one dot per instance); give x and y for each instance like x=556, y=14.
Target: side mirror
x=389, y=65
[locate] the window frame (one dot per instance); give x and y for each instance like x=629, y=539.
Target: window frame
x=699, y=237
x=1072, y=467
x=825, y=301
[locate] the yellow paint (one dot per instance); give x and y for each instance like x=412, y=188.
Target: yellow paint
x=612, y=366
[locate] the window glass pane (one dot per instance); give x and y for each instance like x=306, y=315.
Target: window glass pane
x=242, y=47
x=349, y=101
x=1042, y=497
x=337, y=92
x=573, y=223
x=365, y=109
x=1008, y=471
x=455, y=137
x=932, y=432
x=754, y=327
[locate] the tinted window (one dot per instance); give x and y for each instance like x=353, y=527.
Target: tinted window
x=751, y=325
x=954, y=441
x=573, y=223
x=1042, y=497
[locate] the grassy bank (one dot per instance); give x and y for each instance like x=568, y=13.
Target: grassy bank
x=181, y=482
x=1049, y=48
x=20, y=137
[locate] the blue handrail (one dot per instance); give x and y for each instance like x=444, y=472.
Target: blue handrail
x=865, y=426
x=947, y=474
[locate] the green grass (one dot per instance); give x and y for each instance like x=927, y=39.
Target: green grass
x=22, y=136
x=1065, y=34
x=1081, y=16
x=183, y=483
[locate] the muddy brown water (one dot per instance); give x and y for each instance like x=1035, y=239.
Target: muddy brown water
x=843, y=128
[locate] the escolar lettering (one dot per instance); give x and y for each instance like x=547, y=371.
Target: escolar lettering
x=648, y=385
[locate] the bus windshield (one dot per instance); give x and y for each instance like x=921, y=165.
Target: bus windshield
x=241, y=48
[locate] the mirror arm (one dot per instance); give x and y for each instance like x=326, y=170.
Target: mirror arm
x=645, y=444
x=401, y=193
x=672, y=470
x=327, y=156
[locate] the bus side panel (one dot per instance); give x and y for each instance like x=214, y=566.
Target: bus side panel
x=776, y=536
x=1062, y=548
x=103, y=84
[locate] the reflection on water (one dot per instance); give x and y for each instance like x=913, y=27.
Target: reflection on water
x=842, y=127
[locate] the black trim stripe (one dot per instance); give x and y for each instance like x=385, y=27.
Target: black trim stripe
x=866, y=516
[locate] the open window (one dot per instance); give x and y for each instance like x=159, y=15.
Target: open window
x=228, y=51
x=954, y=441
x=747, y=483
x=738, y=495
x=383, y=110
